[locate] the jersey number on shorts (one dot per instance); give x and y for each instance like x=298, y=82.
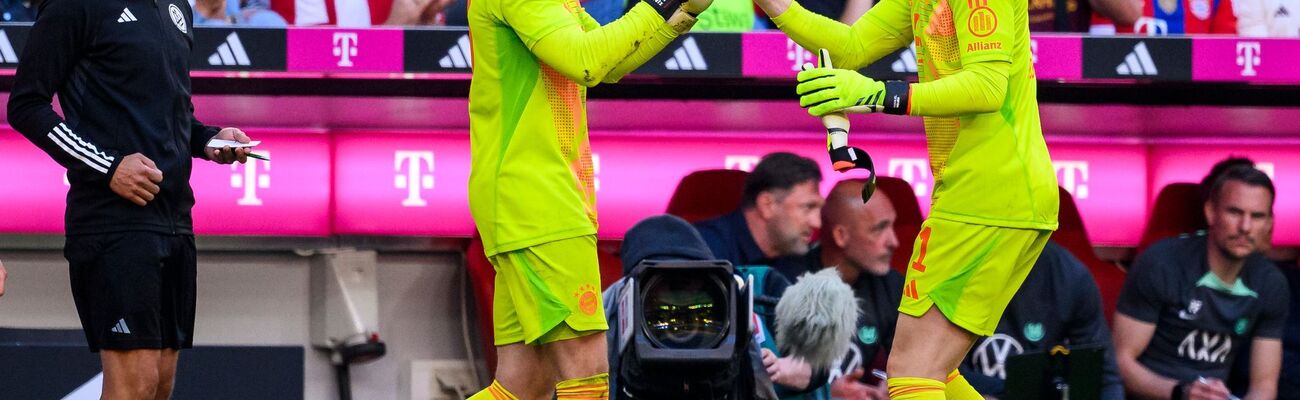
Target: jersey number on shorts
x=919, y=264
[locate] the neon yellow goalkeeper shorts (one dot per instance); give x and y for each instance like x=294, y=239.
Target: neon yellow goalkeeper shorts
x=969, y=272
x=547, y=293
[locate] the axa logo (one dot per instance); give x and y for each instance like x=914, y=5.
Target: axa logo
x=687, y=57
x=906, y=61
x=345, y=47
x=7, y=53
x=1073, y=176
x=458, y=56
x=741, y=162
x=414, y=172
x=1205, y=347
x=1248, y=57
x=991, y=355
x=797, y=55
x=916, y=171
x=251, y=176
x=230, y=53
x=1138, y=62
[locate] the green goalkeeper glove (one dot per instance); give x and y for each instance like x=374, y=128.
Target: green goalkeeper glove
x=826, y=90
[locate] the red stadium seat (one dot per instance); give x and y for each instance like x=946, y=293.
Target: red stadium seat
x=908, y=223
x=1072, y=235
x=482, y=278
x=1178, y=210
x=707, y=194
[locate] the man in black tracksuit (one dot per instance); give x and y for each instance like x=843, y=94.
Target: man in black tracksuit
x=121, y=71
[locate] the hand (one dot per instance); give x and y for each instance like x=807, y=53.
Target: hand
x=787, y=371
x=227, y=155
x=826, y=90
x=3, y=274
x=136, y=179
x=1207, y=389
x=850, y=387
x=696, y=7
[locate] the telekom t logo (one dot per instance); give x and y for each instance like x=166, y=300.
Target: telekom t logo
x=595, y=171
x=741, y=162
x=1033, y=51
x=1073, y=176
x=345, y=47
x=255, y=175
x=796, y=54
x=915, y=171
x=414, y=173
x=1248, y=57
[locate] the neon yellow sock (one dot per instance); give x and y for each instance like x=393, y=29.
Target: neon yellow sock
x=960, y=389
x=915, y=389
x=589, y=388
x=494, y=392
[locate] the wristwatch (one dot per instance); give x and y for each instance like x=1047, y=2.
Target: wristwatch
x=1179, y=392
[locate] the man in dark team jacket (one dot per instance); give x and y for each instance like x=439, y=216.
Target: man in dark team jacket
x=121, y=71
x=1059, y=304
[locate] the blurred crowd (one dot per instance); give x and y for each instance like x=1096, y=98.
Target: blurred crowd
x=1251, y=18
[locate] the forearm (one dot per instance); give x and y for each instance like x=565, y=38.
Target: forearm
x=977, y=89
x=851, y=47
x=1122, y=12
x=651, y=45
x=588, y=57
x=1262, y=392
x=1142, y=382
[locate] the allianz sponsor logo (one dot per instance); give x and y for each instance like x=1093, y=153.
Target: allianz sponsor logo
x=413, y=171
x=1205, y=346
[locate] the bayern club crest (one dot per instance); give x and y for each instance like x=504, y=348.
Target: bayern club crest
x=178, y=18
x=1201, y=9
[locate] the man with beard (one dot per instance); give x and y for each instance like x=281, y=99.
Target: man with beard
x=779, y=210
x=1190, y=304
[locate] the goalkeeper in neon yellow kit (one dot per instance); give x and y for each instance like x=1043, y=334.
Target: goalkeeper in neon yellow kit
x=531, y=189
x=995, y=192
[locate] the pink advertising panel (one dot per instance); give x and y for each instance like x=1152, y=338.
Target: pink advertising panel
x=771, y=55
x=287, y=196
x=1108, y=182
x=345, y=50
x=1057, y=57
x=1190, y=162
x=1245, y=59
x=402, y=184
x=35, y=192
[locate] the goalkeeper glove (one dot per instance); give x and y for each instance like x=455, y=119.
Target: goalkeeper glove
x=826, y=90
x=666, y=8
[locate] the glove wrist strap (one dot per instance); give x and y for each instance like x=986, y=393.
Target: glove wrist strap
x=897, y=99
x=664, y=7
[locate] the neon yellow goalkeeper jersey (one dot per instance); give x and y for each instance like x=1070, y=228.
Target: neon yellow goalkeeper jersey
x=991, y=168
x=531, y=178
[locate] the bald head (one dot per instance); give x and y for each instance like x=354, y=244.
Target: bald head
x=856, y=234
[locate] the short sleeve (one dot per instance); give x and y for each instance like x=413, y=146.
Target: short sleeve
x=1143, y=294
x=1275, y=300
x=985, y=31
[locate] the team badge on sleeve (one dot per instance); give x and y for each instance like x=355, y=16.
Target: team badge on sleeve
x=982, y=21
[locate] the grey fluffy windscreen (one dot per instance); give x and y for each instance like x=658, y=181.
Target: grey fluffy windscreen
x=815, y=318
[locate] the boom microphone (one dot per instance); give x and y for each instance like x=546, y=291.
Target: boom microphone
x=815, y=318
